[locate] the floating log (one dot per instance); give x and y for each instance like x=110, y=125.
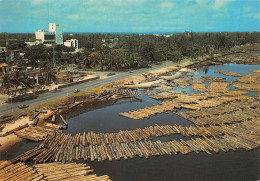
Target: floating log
x=15, y=129
x=71, y=171
x=63, y=146
x=53, y=119
x=39, y=133
x=228, y=73
x=50, y=114
x=40, y=110
x=63, y=120
x=34, y=116
x=35, y=121
x=74, y=105
x=18, y=171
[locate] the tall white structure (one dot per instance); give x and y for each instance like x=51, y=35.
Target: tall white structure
x=72, y=43
x=53, y=27
x=54, y=35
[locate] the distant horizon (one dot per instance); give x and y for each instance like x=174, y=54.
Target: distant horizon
x=159, y=32
x=133, y=16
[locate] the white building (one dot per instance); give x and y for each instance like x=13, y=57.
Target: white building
x=72, y=43
x=30, y=43
x=54, y=35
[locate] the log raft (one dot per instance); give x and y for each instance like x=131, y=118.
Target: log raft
x=16, y=129
x=71, y=171
x=17, y=171
x=40, y=132
x=65, y=148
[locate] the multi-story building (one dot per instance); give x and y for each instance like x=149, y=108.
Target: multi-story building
x=72, y=43
x=54, y=35
x=8, y=55
x=3, y=68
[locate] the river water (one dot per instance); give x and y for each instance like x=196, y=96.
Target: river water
x=239, y=165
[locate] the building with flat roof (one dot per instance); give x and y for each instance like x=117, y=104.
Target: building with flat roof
x=72, y=43
x=3, y=68
x=8, y=55
x=54, y=35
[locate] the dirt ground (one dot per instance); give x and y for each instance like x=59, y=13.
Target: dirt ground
x=12, y=138
x=3, y=98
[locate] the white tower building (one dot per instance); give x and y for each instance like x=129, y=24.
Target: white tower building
x=53, y=27
x=54, y=35
x=72, y=43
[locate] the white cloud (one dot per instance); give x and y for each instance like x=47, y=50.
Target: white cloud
x=221, y=4
x=253, y=15
x=210, y=27
x=167, y=5
x=247, y=9
x=257, y=16
x=201, y=1
x=37, y=2
x=90, y=2
x=114, y=2
x=73, y=16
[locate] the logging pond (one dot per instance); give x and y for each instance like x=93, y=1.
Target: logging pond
x=233, y=165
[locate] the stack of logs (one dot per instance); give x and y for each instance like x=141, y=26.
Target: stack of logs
x=146, y=133
x=71, y=171
x=233, y=74
x=180, y=103
x=15, y=129
x=121, y=92
x=233, y=112
x=66, y=148
x=18, y=171
x=47, y=171
x=40, y=132
x=67, y=105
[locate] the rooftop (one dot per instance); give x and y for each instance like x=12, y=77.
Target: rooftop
x=3, y=65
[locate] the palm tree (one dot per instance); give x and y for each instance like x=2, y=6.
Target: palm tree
x=16, y=80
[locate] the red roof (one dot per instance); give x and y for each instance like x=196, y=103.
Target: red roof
x=3, y=65
x=120, y=49
x=93, y=54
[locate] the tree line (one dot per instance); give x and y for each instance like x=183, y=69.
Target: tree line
x=135, y=50
x=132, y=51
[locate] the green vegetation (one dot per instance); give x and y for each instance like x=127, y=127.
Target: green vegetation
x=135, y=51
x=126, y=51
x=129, y=51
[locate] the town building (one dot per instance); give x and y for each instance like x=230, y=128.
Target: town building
x=72, y=43
x=3, y=54
x=54, y=35
x=8, y=55
x=3, y=68
x=30, y=43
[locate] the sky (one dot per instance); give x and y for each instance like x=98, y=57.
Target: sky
x=27, y=16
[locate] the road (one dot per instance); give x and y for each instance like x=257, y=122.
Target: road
x=49, y=96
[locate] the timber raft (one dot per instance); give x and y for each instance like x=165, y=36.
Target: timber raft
x=18, y=171
x=65, y=148
x=47, y=171
x=100, y=147
x=194, y=102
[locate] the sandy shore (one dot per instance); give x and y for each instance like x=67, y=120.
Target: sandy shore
x=12, y=138
x=143, y=85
